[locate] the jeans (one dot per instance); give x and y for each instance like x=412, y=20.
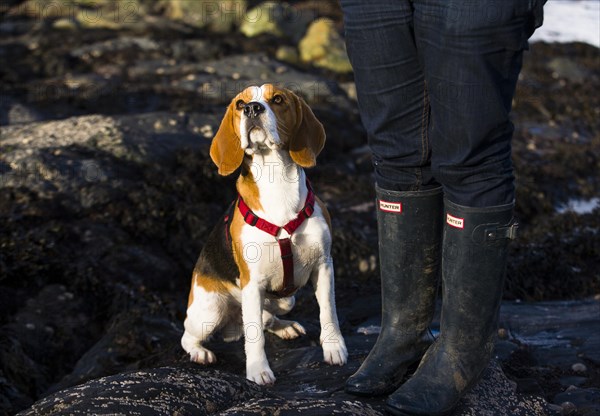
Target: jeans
x=435, y=81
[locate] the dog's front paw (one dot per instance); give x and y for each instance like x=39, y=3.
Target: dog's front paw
x=202, y=355
x=335, y=351
x=287, y=329
x=260, y=373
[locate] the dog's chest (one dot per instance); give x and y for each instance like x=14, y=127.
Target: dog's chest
x=311, y=243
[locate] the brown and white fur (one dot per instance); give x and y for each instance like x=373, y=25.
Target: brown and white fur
x=233, y=277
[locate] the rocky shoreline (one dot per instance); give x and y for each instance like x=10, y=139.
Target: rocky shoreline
x=106, y=113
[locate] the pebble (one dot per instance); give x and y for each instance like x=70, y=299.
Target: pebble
x=502, y=333
x=369, y=330
x=555, y=409
x=207, y=131
x=568, y=407
x=579, y=367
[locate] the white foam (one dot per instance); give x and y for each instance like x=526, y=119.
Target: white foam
x=570, y=21
x=580, y=206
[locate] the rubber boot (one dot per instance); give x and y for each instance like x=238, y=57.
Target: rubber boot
x=410, y=234
x=473, y=267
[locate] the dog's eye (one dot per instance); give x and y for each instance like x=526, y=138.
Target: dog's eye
x=277, y=99
x=240, y=104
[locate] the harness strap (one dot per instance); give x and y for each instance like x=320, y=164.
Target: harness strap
x=285, y=244
x=287, y=258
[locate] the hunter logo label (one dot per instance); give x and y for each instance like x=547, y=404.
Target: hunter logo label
x=390, y=206
x=455, y=222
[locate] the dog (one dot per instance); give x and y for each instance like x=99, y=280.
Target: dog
x=273, y=238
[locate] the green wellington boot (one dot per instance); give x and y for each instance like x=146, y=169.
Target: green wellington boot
x=473, y=266
x=410, y=234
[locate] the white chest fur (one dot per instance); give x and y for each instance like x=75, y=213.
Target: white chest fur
x=282, y=194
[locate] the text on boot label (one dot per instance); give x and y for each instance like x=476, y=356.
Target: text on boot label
x=390, y=206
x=455, y=222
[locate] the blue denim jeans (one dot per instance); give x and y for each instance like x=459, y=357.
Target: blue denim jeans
x=435, y=81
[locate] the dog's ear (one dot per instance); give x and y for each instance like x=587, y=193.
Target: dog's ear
x=225, y=149
x=309, y=138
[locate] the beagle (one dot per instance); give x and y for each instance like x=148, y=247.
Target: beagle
x=271, y=240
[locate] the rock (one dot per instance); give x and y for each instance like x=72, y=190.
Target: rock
x=302, y=407
x=15, y=112
x=568, y=381
x=219, y=16
x=573, y=326
x=92, y=14
x=496, y=395
x=563, y=67
x=185, y=391
x=275, y=18
x=43, y=9
x=128, y=44
x=65, y=24
x=166, y=389
x=324, y=47
x=160, y=391
x=585, y=401
x=579, y=368
x=82, y=175
x=267, y=17
x=350, y=89
x=220, y=80
x=288, y=54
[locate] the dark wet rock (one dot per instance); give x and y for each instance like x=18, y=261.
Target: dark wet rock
x=159, y=391
x=299, y=407
x=233, y=73
x=586, y=401
x=14, y=112
x=561, y=333
x=126, y=44
x=568, y=381
x=496, y=395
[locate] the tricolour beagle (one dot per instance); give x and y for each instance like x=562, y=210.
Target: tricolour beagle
x=273, y=238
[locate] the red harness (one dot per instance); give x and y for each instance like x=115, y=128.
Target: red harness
x=285, y=244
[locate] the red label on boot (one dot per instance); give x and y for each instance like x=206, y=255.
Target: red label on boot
x=455, y=222
x=390, y=206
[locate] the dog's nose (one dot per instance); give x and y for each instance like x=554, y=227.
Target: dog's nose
x=253, y=109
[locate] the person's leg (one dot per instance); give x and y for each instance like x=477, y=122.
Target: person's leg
x=472, y=55
x=392, y=96
x=394, y=109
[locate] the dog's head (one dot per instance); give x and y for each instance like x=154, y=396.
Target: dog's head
x=267, y=117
